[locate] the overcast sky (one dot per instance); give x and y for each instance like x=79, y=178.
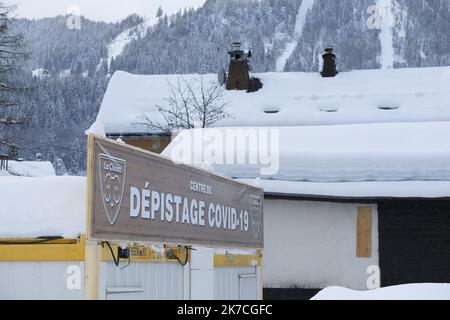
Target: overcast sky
x=100, y=10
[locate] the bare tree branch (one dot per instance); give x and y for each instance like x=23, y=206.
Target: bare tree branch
x=190, y=103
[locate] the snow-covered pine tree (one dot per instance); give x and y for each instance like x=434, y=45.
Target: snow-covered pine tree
x=12, y=51
x=159, y=12
x=75, y=157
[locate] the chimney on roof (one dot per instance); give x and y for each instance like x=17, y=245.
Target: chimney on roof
x=239, y=70
x=329, y=63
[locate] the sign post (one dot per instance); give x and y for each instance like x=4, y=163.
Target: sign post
x=138, y=196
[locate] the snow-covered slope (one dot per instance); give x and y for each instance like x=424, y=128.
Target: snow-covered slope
x=292, y=99
x=287, y=52
x=404, y=292
x=386, y=34
x=118, y=44
x=290, y=35
x=303, y=10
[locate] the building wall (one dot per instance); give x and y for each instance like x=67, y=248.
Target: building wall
x=235, y=283
x=41, y=280
x=152, y=281
x=312, y=245
x=154, y=144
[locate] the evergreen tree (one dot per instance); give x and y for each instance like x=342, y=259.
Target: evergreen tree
x=12, y=51
x=75, y=157
x=159, y=12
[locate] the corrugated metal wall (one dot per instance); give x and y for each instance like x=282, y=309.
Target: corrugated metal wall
x=227, y=282
x=39, y=280
x=159, y=281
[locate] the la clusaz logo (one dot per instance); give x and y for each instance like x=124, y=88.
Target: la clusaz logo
x=112, y=183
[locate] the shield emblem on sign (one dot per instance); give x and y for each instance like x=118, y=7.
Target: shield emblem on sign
x=256, y=215
x=112, y=184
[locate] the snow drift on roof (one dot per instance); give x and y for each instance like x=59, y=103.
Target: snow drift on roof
x=344, y=153
x=40, y=207
x=355, y=190
x=291, y=99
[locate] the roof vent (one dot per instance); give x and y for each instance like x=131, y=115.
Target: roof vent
x=272, y=111
x=329, y=109
x=329, y=64
x=388, y=107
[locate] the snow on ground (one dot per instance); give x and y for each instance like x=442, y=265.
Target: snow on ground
x=341, y=153
x=293, y=99
x=39, y=207
x=117, y=46
x=386, y=33
x=31, y=168
x=404, y=292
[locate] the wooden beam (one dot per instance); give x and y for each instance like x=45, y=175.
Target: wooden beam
x=92, y=270
x=364, y=233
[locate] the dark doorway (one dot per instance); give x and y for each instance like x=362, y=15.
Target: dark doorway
x=414, y=240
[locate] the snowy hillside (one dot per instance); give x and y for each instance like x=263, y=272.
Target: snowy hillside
x=116, y=47
x=290, y=35
x=300, y=22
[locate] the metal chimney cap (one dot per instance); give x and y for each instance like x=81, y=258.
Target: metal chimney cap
x=236, y=45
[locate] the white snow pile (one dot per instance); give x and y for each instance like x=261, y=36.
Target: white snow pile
x=404, y=292
x=292, y=99
x=40, y=207
x=351, y=190
x=31, y=168
x=97, y=128
x=323, y=154
x=40, y=73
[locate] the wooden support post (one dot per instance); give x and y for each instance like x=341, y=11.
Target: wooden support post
x=92, y=261
x=92, y=270
x=259, y=268
x=364, y=233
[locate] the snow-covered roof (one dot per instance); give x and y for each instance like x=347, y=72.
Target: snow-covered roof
x=342, y=153
x=42, y=207
x=31, y=168
x=293, y=99
x=357, y=191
